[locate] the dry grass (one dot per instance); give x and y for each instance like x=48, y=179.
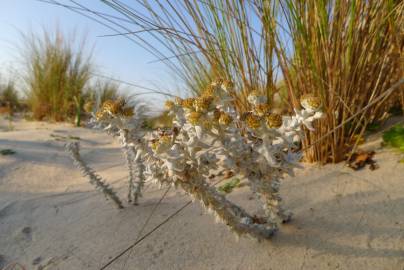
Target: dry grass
x=346, y=52
x=204, y=40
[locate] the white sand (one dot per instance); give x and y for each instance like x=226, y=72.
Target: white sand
x=51, y=218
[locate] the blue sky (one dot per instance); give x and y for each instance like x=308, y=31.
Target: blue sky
x=113, y=56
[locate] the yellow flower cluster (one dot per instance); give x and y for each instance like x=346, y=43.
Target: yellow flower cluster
x=261, y=113
x=253, y=121
x=201, y=110
x=225, y=119
x=273, y=120
x=203, y=103
x=114, y=108
x=193, y=117
x=213, y=88
x=311, y=102
x=111, y=106
x=210, y=91
x=262, y=109
x=188, y=103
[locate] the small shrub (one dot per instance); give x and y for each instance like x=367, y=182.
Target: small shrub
x=210, y=134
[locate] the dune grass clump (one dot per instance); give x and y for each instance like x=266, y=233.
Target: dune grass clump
x=345, y=52
x=57, y=76
x=348, y=53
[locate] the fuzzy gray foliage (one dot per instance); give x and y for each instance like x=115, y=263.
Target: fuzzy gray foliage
x=135, y=168
x=138, y=185
x=74, y=150
x=136, y=178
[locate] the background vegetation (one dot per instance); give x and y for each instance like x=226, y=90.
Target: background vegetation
x=57, y=75
x=59, y=80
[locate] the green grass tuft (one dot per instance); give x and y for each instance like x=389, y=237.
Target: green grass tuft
x=394, y=137
x=229, y=186
x=58, y=73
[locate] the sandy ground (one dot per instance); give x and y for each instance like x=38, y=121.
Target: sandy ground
x=51, y=217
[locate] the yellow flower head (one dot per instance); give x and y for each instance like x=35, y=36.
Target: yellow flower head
x=116, y=108
x=209, y=91
x=273, y=120
x=169, y=105
x=99, y=115
x=253, y=121
x=262, y=109
x=202, y=104
x=110, y=106
x=310, y=102
x=188, y=103
x=225, y=119
x=193, y=117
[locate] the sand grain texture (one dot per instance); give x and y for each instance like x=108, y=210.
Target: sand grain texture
x=51, y=217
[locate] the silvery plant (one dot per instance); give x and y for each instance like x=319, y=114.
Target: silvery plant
x=210, y=134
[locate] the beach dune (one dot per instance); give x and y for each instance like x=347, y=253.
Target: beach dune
x=52, y=218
